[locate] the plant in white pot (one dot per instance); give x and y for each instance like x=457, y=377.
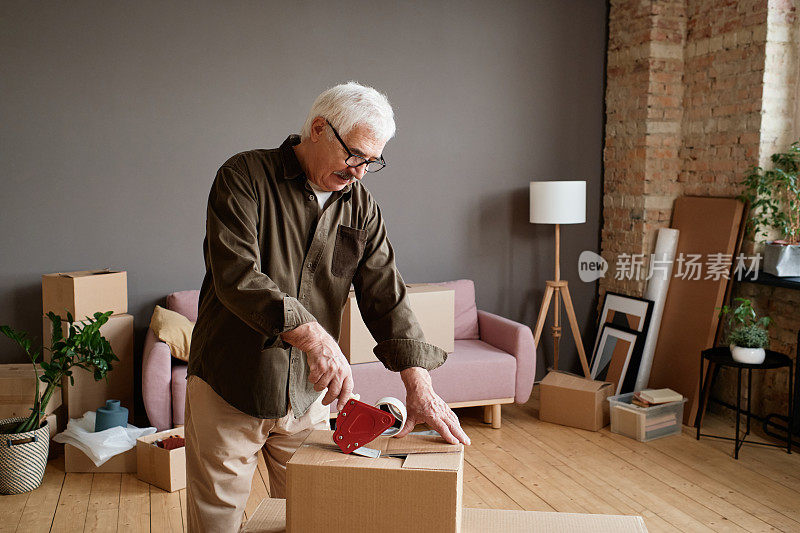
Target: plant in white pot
x=748, y=332
x=774, y=197
x=24, y=442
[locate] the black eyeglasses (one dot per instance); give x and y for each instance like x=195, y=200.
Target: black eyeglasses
x=355, y=161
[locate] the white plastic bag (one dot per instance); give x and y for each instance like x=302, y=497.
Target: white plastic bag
x=101, y=446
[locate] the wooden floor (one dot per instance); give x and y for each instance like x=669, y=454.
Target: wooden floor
x=675, y=483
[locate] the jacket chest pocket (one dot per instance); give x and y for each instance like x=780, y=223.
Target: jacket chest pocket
x=347, y=251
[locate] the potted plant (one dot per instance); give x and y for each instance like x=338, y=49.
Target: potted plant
x=748, y=333
x=24, y=442
x=774, y=197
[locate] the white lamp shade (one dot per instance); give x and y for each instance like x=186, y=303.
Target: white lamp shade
x=558, y=202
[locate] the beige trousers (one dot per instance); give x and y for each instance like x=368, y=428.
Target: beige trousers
x=222, y=444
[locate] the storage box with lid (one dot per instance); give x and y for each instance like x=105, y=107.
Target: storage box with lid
x=645, y=423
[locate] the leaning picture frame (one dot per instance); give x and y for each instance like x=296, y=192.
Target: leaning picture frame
x=615, y=348
x=627, y=312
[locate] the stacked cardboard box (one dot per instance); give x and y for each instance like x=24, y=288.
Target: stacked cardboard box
x=18, y=389
x=433, y=306
x=82, y=294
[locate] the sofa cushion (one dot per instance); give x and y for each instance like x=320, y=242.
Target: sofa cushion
x=174, y=329
x=185, y=303
x=466, y=311
x=474, y=371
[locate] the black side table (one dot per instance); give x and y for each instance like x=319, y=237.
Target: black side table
x=721, y=356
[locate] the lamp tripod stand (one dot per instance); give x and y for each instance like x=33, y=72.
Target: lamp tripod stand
x=556, y=290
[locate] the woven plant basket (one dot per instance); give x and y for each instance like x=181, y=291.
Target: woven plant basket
x=23, y=457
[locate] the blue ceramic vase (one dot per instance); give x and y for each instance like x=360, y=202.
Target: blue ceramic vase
x=112, y=415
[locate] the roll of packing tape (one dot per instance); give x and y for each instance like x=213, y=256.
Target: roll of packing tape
x=397, y=409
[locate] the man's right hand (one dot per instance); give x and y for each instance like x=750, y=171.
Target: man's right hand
x=327, y=366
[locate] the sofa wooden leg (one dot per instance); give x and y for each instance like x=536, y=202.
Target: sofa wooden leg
x=496, y=417
x=487, y=414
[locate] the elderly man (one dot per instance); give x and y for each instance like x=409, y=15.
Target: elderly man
x=288, y=231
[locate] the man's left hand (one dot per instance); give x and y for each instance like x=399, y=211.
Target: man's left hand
x=425, y=406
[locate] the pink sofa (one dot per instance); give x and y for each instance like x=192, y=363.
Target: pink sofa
x=493, y=363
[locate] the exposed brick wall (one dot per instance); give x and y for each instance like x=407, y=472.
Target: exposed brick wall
x=698, y=92
x=644, y=108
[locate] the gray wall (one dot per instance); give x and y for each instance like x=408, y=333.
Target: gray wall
x=114, y=117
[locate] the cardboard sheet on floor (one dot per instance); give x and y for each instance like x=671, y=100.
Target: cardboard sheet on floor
x=689, y=325
x=270, y=517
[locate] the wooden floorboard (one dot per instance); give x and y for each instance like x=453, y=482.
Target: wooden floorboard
x=41, y=507
x=73, y=503
x=134, y=505
x=165, y=511
x=676, y=483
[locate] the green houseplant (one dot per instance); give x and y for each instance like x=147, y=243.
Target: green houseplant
x=748, y=332
x=774, y=197
x=24, y=442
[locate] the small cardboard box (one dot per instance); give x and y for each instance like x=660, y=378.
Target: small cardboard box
x=85, y=292
x=77, y=461
x=270, y=517
x=86, y=394
x=18, y=388
x=166, y=469
x=388, y=494
x=574, y=401
x=433, y=306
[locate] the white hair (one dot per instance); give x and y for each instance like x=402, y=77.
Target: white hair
x=351, y=104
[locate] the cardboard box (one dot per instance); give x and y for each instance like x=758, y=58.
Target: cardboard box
x=166, y=469
x=645, y=423
x=52, y=424
x=18, y=388
x=77, y=461
x=574, y=401
x=86, y=394
x=85, y=292
x=270, y=517
x=433, y=306
x=387, y=494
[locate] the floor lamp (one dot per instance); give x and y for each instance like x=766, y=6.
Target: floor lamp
x=559, y=202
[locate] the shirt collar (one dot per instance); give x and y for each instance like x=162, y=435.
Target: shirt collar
x=291, y=165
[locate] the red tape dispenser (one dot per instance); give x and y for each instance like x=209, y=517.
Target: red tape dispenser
x=359, y=424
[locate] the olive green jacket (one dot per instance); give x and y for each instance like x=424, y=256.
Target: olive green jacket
x=275, y=260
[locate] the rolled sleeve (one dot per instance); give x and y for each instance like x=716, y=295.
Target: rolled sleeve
x=399, y=354
x=383, y=301
x=294, y=315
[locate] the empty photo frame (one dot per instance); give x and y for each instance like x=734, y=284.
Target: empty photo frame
x=611, y=362
x=626, y=312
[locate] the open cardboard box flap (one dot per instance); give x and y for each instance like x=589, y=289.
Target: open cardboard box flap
x=84, y=273
x=559, y=378
x=424, y=452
